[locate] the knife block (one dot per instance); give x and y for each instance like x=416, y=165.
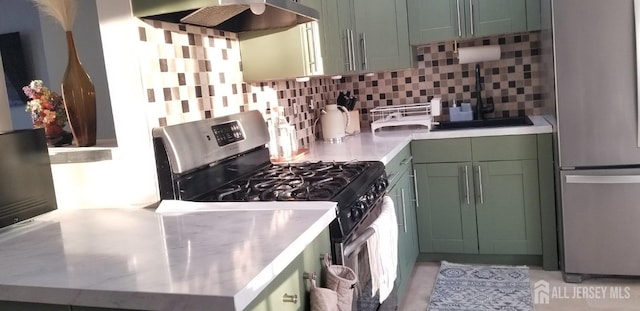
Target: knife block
x=354, y=124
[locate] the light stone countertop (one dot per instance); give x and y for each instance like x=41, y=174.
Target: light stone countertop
x=138, y=259
x=386, y=143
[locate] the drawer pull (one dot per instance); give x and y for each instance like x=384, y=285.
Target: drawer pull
x=405, y=161
x=290, y=298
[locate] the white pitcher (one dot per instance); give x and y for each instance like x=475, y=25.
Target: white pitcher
x=333, y=126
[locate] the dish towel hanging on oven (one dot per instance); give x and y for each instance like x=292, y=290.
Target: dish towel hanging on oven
x=383, y=250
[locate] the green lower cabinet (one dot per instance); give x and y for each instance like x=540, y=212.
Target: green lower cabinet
x=407, y=233
x=290, y=282
x=508, y=208
x=402, y=192
x=479, y=207
x=447, y=216
x=487, y=199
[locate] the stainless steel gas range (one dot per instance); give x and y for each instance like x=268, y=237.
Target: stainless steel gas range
x=226, y=159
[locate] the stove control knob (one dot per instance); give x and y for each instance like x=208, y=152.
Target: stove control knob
x=356, y=214
x=382, y=184
x=361, y=206
x=371, y=196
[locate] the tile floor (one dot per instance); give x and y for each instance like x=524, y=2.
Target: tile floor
x=424, y=276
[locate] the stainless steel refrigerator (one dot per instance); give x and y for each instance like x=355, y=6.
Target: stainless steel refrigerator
x=596, y=60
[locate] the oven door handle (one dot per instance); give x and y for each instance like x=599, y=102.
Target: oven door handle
x=357, y=243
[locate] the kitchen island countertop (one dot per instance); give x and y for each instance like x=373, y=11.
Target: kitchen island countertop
x=138, y=259
x=386, y=143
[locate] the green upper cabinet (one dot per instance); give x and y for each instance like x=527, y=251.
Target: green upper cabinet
x=493, y=17
x=337, y=24
x=288, y=52
x=437, y=20
x=381, y=38
x=281, y=54
x=352, y=36
x=443, y=20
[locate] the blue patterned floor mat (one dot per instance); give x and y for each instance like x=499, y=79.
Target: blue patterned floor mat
x=481, y=288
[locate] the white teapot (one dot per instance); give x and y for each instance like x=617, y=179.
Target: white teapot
x=334, y=128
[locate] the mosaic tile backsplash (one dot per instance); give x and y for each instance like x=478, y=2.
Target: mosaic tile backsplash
x=513, y=82
x=193, y=73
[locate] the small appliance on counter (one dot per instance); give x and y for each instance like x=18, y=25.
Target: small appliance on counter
x=349, y=102
x=26, y=186
x=335, y=122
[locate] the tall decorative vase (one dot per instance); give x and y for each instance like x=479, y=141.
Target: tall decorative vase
x=79, y=98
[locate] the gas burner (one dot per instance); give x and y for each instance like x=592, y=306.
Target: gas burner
x=281, y=192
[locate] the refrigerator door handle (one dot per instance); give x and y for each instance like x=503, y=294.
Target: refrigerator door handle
x=608, y=179
x=636, y=9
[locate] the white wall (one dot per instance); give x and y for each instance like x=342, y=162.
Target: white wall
x=135, y=160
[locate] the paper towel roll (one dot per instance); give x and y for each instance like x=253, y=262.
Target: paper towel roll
x=478, y=54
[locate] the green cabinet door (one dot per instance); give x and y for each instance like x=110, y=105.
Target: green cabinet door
x=534, y=15
x=508, y=207
x=382, y=38
x=336, y=23
x=291, y=282
x=435, y=20
x=446, y=215
x=443, y=20
x=492, y=17
x=407, y=229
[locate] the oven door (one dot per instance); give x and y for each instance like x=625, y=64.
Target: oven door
x=355, y=255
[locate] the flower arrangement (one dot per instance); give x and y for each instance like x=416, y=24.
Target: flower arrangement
x=46, y=107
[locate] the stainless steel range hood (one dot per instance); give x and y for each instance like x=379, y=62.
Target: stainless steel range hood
x=228, y=15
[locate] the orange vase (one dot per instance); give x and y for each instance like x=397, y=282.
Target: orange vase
x=79, y=99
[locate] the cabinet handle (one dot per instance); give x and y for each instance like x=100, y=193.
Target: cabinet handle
x=399, y=197
x=353, y=51
x=311, y=45
x=466, y=183
x=459, y=21
x=363, y=41
x=347, y=49
x=606, y=179
x=415, y=187
x=290, y=298
x=404, y=211
x=480, y=184
x=471, y=15
x=405, y=161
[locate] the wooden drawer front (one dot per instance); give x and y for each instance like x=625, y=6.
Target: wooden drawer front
x=399, y=162
x=497, y=148
x=441, y=150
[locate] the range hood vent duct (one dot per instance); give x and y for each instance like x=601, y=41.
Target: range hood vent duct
x=228, y=15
